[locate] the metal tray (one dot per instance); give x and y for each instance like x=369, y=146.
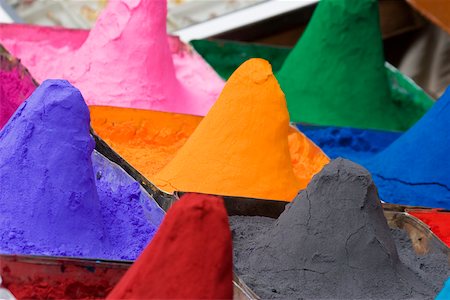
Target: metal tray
x=74, y=278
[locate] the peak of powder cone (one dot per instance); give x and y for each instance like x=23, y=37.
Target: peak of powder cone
x=46, y=171
x=241, y=147
x=350, y=85
x=111, y=50
x=335, y=232
x=414, y=169
x=190, y=256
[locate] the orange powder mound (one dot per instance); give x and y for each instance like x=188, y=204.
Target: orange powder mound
x=150, y=139
x=241, y=147
x=307, y=159
x=146, y=139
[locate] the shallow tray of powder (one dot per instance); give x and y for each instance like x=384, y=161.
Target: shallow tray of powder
x=44, y=277
x=260, y=243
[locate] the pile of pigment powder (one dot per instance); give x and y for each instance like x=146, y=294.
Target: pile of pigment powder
x=51, y=201
x=149, y=140
x=189, y=258
x=146, y=139
x=414, y=170
x=236, y=143
x=16, y=84
x=354, y=144
x=332, y=241
x=126, y=60
x=349, y=74
x=438, y=221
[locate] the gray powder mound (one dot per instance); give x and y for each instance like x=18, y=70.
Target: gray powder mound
x=333, y=242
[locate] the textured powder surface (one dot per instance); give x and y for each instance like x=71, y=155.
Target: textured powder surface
x=226, y=56
x=126, y=60
x=445, y=292
x=414, y=169
x=15, y=86
x=348, y=77
x=438, y=221
x=247, y=230
x=237, y=142
x=50, y=201
x=334, y=239
x=146, y=139
x=149, y=139
x=354, y=144
x=130, y=215
x=189, y=258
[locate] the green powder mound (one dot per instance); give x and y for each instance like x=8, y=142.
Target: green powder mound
x=335, y=75
x=226, y=56
x=357, y=94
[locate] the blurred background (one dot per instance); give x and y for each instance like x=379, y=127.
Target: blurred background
x=415, y=32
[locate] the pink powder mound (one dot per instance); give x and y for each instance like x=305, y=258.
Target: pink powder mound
x=126, y=60
x=15, y=87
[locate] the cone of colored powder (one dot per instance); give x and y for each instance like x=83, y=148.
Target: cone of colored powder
x=50, y=201
x=49, y=129
x=334, y=239
x=189, y=258
x=335, y=75
x=241, y=147
x=150, y=139
x=126, y=61
x=16, y=84
x=414, y=169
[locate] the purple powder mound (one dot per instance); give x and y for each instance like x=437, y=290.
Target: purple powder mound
x=50, y=203
x=133, y=216
x=15, y=87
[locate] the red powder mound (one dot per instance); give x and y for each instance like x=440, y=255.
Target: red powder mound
x=190, y=256
x=438, y=221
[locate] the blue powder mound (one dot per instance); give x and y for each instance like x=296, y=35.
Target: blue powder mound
x=51, y=203
x=354, y=144
x=444, y=294
x=415, y=169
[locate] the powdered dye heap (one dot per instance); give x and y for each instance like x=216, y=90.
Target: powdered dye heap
x=241, y=147
x=16, y=85
x=334, y=239
x=438, y=221
x=189, y=258
x=49, y=203
x=414, y=169
x=354, y=144
x=346, y=85
x=126, y=61
x=146, y=139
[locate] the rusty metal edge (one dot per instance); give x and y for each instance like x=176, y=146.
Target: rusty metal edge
x=14, y=62
x=240, y=290
x=163, y=199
